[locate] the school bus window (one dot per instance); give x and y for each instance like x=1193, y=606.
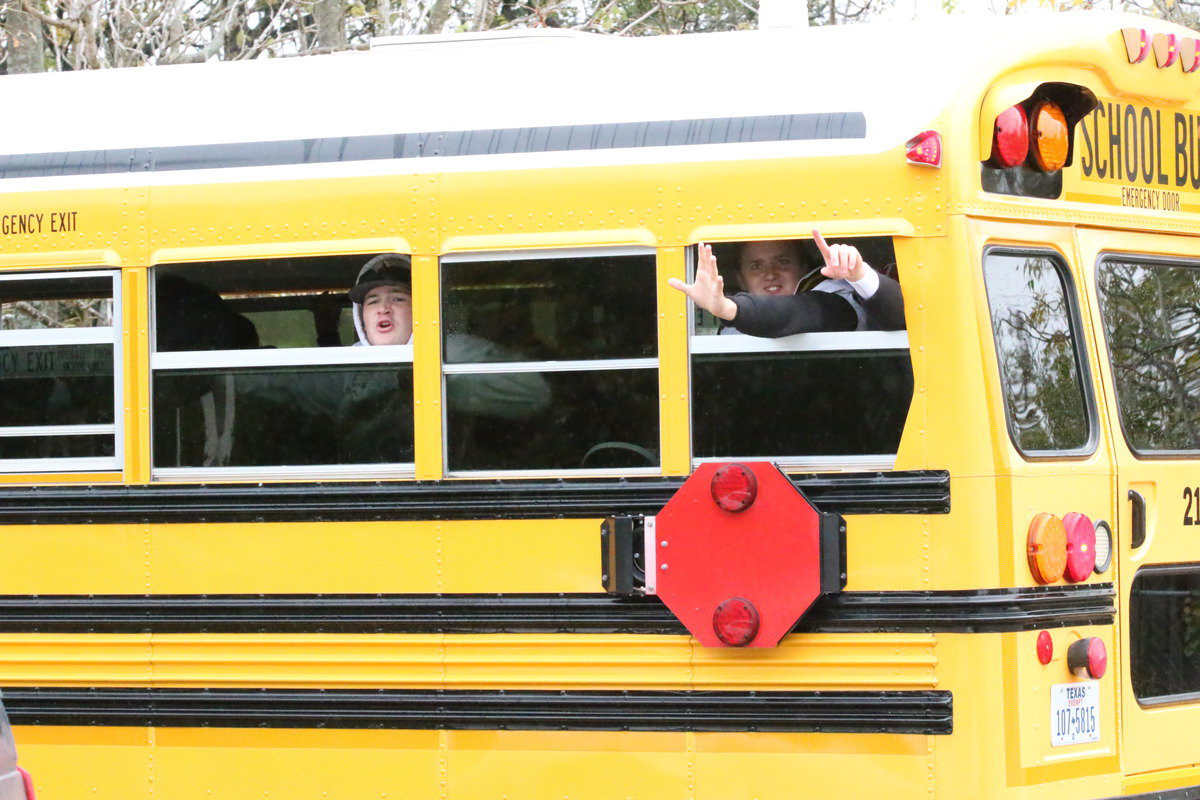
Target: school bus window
x=253, y=369
x=1164, y=628
x=1038, y=350
x=58, y=362
x=848, y=375
x=550, y=360
x=1151, y=313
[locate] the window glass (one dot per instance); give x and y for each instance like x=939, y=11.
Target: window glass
x=551, y=309
x=841, y=389
x=854, y=403
x=1164, y=626
x=57, y=357
x=284, y=387
x=35, y=303
x=1038, y=352
x=1151, y=315
x=577, y=334
x=283, y=416
x=69, y=384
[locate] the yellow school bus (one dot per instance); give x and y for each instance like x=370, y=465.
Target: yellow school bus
x=571, y=540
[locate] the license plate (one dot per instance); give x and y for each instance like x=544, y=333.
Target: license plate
x=1074, y=713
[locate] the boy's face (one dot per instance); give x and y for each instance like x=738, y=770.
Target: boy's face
x=387, y=315
x=768, y=268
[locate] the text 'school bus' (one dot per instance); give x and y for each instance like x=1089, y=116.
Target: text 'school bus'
x=571, y=541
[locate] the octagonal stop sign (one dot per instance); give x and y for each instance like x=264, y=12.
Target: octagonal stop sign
x=779, y=553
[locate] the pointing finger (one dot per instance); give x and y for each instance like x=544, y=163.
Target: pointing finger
x=821, y=245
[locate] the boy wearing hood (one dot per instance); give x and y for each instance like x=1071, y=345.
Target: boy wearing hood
x=375, y=412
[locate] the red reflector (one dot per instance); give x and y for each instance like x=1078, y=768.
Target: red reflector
x=28, y=781
x=1088, y=658
x=925, y=148
x=1081, y=547
x=1045, y=647
x=736, y=622
x=734, y=487
x=1010, y=142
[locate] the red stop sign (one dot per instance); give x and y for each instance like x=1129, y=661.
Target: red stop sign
x=769, y=553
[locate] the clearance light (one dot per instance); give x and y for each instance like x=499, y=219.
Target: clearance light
x=925, y=148
x=736, y=622
x=1189, y=54
x=1045, y=647
x=1081, y=547
x=1087, y=658
x=1166, y=49
x=1047, y=548
x=1137, y=44
x=1010, y=141
x=734, y=487
x=1104, y=547
x=1051, y=136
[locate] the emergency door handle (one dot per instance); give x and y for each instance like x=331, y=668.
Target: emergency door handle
x=1137, y=519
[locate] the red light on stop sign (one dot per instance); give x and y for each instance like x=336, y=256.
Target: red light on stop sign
x=734, y=487
x=736, y=622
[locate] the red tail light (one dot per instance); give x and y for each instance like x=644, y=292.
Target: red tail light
x=736, y=622
x=925, y=148
x=1088, y=658
x=1081, y=547
x=1047, y=548
x=1010, y=142
x=734, y=487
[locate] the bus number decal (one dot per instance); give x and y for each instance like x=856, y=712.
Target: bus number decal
x=1191, y=514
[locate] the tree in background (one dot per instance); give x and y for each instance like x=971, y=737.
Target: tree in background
x=38, y=35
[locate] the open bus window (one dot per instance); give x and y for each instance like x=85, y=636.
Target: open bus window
x=1151, y=313
x=1164, y=633
x=550, y=360
x=58, y=356
x=814, y=399
x=253, y=370
x=1034, y=323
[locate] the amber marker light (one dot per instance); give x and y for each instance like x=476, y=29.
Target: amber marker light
x=1047, y=548
x=1050, y=136
x=736, y=622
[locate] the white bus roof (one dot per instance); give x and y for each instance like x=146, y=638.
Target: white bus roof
x=899, y=77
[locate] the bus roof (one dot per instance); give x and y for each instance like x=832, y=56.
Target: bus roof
x=899, y=77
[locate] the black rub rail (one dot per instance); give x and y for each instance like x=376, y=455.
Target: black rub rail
x=989, y=610
x=914, y=492
x=923, y=712
x=427, y=144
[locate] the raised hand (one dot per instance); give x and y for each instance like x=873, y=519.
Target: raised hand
x=842, y=261
x=708, y=291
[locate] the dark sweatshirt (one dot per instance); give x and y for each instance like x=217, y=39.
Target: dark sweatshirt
x=818, y=310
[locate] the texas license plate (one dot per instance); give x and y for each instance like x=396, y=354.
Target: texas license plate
x=1074, y=713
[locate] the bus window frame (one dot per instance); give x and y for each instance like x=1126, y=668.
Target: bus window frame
x=505, y=367
x=1138, y=258
x=170, y=361
x=1062, y=267
x=1186, y=699
x=822, y=342
x=22, y=338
